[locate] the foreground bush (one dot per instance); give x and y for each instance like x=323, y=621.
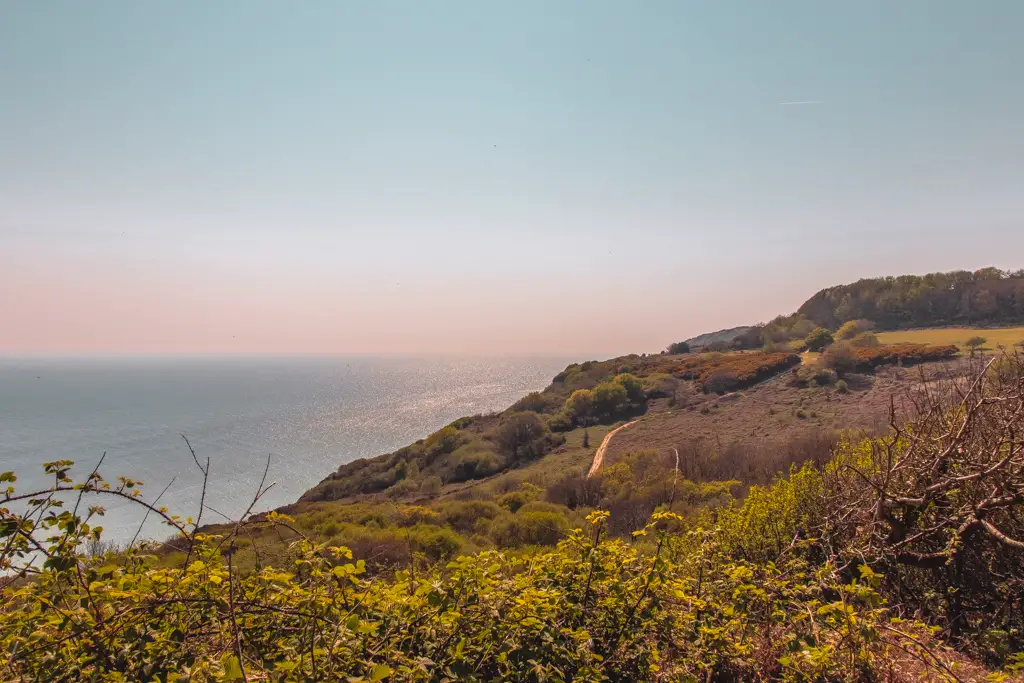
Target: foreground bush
x=673, y=608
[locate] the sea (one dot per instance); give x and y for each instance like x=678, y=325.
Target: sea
x=306, y=415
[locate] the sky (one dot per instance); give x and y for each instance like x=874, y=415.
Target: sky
x=523, y=177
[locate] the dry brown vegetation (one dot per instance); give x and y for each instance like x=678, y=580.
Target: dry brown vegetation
x=868, y=357
x=765, y=417
x=722, y=372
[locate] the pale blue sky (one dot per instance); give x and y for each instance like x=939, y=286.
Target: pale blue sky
x=527, y=176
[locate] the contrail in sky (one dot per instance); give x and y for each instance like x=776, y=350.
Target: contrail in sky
x=786, y=104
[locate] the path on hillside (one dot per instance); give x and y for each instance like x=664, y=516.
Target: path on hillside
x=599, y=455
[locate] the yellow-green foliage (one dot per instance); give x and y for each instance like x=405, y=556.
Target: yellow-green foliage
x=672, y=607
x=772, y=518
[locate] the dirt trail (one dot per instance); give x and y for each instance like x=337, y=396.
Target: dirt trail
x=599, y=455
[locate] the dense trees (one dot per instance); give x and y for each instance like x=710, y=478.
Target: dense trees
x=985, y=297
x=678, y=347
x=620, y=397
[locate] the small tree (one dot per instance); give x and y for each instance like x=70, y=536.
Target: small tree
x=852, y=328
x=520, y=435
x=678, y=347
x=865, y=340
x=818, y=339
x=848, y=330
x=610, y=398
x=580, y=405
x=633, y=386
x=975, y=344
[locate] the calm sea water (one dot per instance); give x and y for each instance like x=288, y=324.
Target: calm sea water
x=309, y=415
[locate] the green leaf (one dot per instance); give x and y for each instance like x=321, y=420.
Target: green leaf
x=380, y=672
x=232, y=668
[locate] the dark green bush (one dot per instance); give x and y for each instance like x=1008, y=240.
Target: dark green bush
x=537, y=402
x=818, y=339
x=561, y=422
x=461, y=515
x=522, y=436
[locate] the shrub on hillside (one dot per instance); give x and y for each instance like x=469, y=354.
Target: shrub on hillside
x=522, y=436
x=513, y=500
x=841, y=358
x=852, y=328
x=635, y=393
x=865, y=339
x=462, y=515
x=443, y=441
x=818, y=339
x=678, y=348
x=846, y=331
x=561, y=421
x=610, y=400
x=575, y=490
x=403, y=489
x=461, y=422
x=537, y=402
x=824, y=377
x=471, y=463
x=529, y=528
x=580, y=405
x=659, y=385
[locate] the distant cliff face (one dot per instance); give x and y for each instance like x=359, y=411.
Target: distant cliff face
x=723, y=336
x=985, y=297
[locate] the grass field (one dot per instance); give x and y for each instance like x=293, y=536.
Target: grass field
x=1006, y=336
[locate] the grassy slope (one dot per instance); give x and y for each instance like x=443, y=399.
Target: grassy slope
x=770, y=414
x=1005, y=336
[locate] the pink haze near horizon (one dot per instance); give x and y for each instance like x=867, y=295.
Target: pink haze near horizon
x=576, y=177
